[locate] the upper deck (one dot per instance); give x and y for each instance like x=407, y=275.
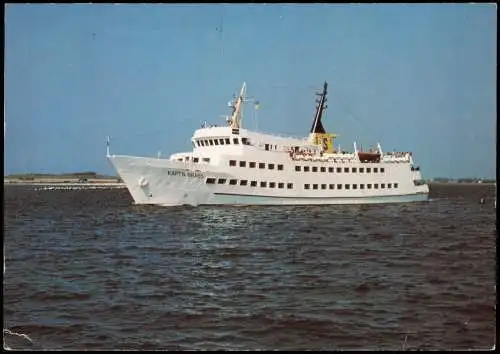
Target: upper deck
x=213, y=143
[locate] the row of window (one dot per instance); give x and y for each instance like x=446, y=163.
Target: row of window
x=271, y=166
x=194, y=159
x=348, y=186
x=281, y=185
x=244, y=182
x=261, y=165
x=339, y=169
x=221, y=141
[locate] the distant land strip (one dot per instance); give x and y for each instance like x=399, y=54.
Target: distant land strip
x=63, y=178
x=93, y=177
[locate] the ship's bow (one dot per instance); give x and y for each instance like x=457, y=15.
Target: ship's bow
x=131, y=175
x=160, y=181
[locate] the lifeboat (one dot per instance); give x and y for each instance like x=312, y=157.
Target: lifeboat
x=369, y=156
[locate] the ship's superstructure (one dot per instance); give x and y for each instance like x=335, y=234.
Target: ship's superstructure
x=233, y=165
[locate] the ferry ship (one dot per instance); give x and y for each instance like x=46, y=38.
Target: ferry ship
x=233, y=165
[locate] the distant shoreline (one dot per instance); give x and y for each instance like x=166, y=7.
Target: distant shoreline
x=65, y=180
x=60, y=175
x=462, y=183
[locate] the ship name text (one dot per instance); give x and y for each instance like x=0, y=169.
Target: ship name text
x=185, y=173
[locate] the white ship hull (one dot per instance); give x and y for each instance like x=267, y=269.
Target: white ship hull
x=171, y=183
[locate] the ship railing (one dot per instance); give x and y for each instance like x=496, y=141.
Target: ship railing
x=395, y=160
x=316, y=158
x=397, y=157
x=278, y=135
x=261, y=146
x=347, y=157
x=398, y=154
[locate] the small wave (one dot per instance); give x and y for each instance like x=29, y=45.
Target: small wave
x=13, y=339
x=43, y=329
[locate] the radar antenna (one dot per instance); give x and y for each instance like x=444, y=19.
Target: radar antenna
x=317, y=126
x=237, y=107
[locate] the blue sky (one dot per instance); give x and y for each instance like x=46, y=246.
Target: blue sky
x=418, y=78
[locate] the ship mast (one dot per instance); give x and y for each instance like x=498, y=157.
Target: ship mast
x=237, y=106
x=317, y=126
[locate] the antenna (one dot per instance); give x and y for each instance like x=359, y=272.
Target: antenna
x=317, y=126
x=380, y=149
x=255, y=116
x=236, y=116
x=237, y=106
x=220, y=29
x=107, y=147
